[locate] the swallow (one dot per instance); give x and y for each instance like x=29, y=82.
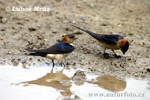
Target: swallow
x=113, y=42
x=58, y=51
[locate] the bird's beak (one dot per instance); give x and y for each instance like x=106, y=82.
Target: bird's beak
x=123, y=52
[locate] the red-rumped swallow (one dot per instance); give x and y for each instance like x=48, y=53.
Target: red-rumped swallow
x=58, y=51
x=113, y=42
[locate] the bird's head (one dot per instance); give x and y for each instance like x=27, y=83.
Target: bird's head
x=124, y=45
x=69, y=38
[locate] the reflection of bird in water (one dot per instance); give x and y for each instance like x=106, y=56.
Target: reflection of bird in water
x=56, y=80
x=79, y=77
x=111, y=83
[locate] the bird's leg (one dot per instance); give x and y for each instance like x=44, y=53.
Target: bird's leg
x=52, y=69
x=105, y=54
x=114, y=53
x=53, y=62
x=62, y=64
x=104, y=50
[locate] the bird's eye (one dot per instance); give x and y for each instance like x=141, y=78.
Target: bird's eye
x=71, y=37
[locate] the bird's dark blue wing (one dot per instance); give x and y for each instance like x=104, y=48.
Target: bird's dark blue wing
x=59, y=48
x=109, y=39
x=64, y=47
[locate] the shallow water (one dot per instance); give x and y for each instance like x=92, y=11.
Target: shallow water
x=46, y=83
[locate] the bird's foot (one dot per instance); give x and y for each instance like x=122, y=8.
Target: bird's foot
x=99, y=53
x=53, y=63
x=62, y=64
x=106, y=55
x=117, y=56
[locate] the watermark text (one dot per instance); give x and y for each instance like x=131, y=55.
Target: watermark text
x=116, y=94
x=27, y=9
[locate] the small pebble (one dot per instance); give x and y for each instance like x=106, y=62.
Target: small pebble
x=4, y=20
x=54, y=31
x=1, y=38
x=3, y=29
x=148, y=70
x=73, y=21
x=30, y=58
x=129, y=59
x=9, y=53
x=45, y=40
x=143, y=44
x=23, y=65
x=32, y=29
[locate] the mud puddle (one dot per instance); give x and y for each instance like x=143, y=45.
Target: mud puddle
x=46, y=83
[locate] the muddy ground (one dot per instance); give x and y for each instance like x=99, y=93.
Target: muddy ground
x=129, y=18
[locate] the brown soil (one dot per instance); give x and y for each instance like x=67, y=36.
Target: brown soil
x=129, y=18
